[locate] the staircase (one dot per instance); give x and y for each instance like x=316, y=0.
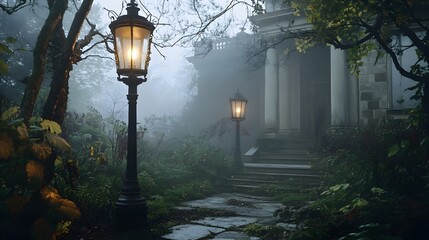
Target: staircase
x=282, y=163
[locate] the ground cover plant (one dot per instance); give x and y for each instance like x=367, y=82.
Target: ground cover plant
x=168, y=174
x=376, y=186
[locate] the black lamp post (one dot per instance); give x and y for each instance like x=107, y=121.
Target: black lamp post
x=132, y=36
x=238, y=109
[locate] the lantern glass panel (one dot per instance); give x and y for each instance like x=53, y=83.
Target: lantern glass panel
x=132, y=47
x=238, y=109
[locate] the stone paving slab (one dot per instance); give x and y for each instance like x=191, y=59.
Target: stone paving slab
x=255, y=206
x=191, y=232
x=248, y=209
x=226, y=222
x=232, y=236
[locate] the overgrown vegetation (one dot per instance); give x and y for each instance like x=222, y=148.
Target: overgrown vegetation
x=31, y=207
x=376, y=186
x=189, y=169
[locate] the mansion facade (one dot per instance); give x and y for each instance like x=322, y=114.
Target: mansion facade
x=296, y=94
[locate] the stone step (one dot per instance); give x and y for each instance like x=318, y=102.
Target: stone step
x=253, y=188
x=287, y=143
x=257, y=182
x=279, y=168
x=264, y=176
x=282, y=162
x=285, y=159
x=298, y=154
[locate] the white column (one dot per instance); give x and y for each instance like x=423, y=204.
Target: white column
x=295, y=96
x=339, y=88
x=284, y=100
x=271, y=91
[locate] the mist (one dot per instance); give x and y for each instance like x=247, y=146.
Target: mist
x=255, y=119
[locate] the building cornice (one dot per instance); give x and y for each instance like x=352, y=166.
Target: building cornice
x=279, y=22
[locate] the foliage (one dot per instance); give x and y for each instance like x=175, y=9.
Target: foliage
x=194, y=159
x=158, y=208
x=96, y=196
x=362, y=26
x=167, y=173
x=390, y=157
x=376, y=186
x=5, y=52
x=264, y=231
x=29, y=205
x=300, y=198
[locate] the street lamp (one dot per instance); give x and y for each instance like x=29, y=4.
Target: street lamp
x=238, y=109
x=132, y=37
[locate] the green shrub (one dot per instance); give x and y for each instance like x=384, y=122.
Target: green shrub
x=97, y=197
x=375, y=187
x=158, y=208
x=189, y=191
x=263, y=231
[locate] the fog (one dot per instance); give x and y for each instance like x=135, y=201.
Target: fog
x=170, y=74
x=172, y=90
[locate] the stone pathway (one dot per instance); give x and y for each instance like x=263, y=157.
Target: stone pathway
x=248, y=209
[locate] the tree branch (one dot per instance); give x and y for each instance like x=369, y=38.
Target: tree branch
x=32, y=88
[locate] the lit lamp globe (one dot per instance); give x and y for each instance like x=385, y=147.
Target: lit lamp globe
x=132, y=40
x=238, y=107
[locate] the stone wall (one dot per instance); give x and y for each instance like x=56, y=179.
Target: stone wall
x=373, y=89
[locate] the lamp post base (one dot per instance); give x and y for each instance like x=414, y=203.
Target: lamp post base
x=131, y=212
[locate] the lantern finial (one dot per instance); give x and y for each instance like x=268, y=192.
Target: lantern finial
x=132, y=8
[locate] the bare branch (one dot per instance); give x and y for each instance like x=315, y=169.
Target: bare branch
x=157, y=49
x=202, y=27
x=97, y=56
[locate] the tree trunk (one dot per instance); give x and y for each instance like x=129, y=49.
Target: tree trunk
x=56, y=104
x=425, y=106
x=35, y=80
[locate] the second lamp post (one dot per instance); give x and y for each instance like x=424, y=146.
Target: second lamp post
x=238, y=109
x=132, y=35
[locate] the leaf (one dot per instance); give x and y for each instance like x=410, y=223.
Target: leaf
x=62, y=205
x=10, y=113
x=69, y=208
x=425, y=142
x=6, y=147
x=58, y=142
x=377, y=190
x=63, y=228
x=50, y=195
x=51, y=126
x=58, y=162
x=4, y=67
x=22, y=132
x=35, y=172
x=10, y=40
x=393, y=150
x=34, y=121
x=356, y=203
x=5, y=49
x=405, y=143
x=41, y=151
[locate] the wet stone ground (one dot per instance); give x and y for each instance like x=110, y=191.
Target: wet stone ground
x=243, y=209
